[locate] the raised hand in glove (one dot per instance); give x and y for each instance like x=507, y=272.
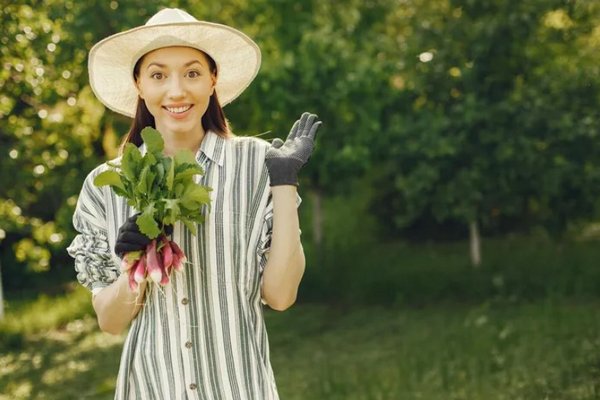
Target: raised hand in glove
x=130, y=238
x=284, y=159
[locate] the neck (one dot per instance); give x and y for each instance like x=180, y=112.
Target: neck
x=175, y=141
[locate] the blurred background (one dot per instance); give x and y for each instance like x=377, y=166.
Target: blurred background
x=450, y=215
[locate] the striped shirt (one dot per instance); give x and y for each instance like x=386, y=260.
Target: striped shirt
x=202, y=336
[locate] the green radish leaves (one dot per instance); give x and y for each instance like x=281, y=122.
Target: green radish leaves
x=154, y=142
x=130, y=160
x=147, y=223
x=109, y=178
x=162, y=187
x=184, y=157
x=171, y=176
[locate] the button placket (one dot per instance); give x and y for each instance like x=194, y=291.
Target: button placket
x=186, y=348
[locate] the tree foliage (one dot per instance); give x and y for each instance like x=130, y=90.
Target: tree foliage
x=457, y=110
x=496, y=118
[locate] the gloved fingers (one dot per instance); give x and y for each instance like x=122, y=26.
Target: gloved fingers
x=134, y=217
x=313, y=130
x=129, y=226
x=302, y=123
x=277, y=143
x=308, y=124
x=294, y=131
x=136, y=238
x=122, y=248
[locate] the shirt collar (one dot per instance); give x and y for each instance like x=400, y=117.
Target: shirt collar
x=211, y=147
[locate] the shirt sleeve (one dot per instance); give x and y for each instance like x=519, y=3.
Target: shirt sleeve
x=94, y=264
x=264, y=244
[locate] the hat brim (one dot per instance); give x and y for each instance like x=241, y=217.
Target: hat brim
x=111, y=61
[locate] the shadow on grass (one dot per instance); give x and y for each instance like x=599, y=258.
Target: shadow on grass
x=77, y=362
x=485, y=352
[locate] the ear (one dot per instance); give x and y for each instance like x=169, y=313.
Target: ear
x=137, y=87
x=214, y=83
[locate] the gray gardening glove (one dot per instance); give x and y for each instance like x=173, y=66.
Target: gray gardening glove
x=284, y=159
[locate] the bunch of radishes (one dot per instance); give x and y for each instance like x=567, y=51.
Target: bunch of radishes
x=156, y=262
x=164, y=191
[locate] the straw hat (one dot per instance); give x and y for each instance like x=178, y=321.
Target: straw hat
x=111, y=61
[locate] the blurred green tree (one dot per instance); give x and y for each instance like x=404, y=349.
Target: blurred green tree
x=327, y=58
x=48, y=130
x=52, y=129
x=495, y=118
x=477, y=113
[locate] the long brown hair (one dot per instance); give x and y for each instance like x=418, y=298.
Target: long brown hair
x=213, y=119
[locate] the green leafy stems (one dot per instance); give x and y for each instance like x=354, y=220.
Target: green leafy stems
x=161, y=187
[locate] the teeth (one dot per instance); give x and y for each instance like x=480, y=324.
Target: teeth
x=178, y=110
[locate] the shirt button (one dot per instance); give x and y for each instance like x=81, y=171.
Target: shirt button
x=184, y=301
x=188, y=345
x=193, y=386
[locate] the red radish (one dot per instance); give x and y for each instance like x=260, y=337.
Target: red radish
x=140, y=270
x=133, y=285
x=161, y=260
x=165, y=273
x=176, y=264
x=179, y=257
x=159, y=263
x=130, y=259
x=156, y=262
x=167, y=253
x=153, y=264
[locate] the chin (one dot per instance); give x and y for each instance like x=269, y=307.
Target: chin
x=181, y=129
x=179, y=126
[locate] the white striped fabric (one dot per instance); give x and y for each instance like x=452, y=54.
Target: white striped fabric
x=203, y=336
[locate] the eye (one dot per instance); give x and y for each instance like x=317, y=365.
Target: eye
x=157, y=75
x=193, y=74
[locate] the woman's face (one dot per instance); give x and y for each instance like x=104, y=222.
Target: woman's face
x=176, y=85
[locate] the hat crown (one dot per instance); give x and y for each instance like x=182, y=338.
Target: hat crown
x=170, y=16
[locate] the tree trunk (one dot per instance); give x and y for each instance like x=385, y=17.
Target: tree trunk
x=475, y=243
x=1, y=296
x=317, y=199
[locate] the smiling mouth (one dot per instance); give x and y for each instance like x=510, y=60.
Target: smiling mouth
x=178, y=110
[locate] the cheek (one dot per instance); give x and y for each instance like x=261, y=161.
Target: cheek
x=203, y=88
x=148, y=88
x=149, y=91
x=201, y=96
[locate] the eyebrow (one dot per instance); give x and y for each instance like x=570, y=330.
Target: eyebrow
x=187, y=64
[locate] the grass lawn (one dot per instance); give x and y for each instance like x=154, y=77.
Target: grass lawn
x=541, y=350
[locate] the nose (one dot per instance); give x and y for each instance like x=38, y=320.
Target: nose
x=176, y=89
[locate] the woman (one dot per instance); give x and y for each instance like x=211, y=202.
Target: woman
x=202, y=336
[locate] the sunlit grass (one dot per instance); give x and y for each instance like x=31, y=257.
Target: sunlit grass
x=525, y=325
x=533, y=351
x=28, y=317
x=46, y=312
x=541, y=350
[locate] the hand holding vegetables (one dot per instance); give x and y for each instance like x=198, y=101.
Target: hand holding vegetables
x=164, y=191
x=130, y=238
